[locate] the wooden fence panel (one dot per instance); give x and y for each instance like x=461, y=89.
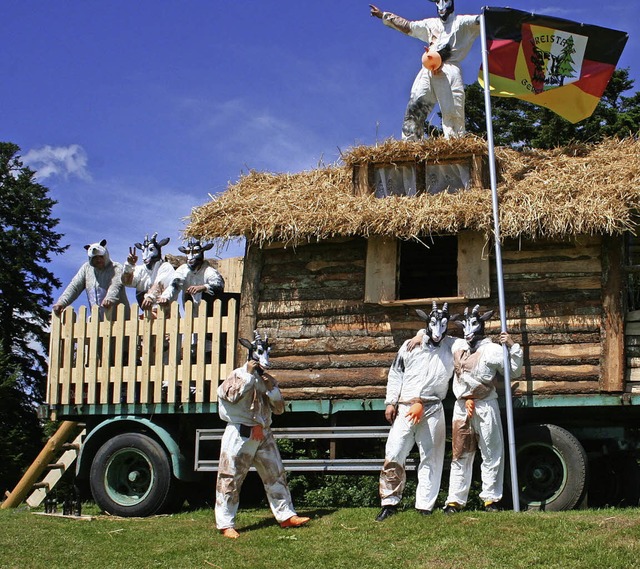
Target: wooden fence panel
x=163, y=358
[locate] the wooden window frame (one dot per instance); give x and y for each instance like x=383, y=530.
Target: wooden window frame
x=381, y=276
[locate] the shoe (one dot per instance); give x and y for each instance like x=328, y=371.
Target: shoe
x=386, y=512
x=492, y=507
x=424, y=512
x=451, y=508
x=230, y=533
x=294, y=522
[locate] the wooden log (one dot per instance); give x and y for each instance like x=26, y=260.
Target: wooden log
x=332, y=377
x=555, y=388
x=563, y=354
x=324, y=361
x=563, y=373
x=332, y=393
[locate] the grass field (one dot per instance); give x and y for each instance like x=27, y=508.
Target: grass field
x=345, y=538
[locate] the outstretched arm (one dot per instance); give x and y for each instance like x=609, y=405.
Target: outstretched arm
x=391, y=20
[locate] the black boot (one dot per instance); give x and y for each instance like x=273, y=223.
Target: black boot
x=386, y=512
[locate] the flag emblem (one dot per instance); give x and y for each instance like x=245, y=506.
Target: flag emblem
x=559, y=64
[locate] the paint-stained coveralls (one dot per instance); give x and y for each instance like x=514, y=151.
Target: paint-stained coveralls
x=246, y=402
x=445, y=86
x=474, y=379
x=419, y=375
x=100, y=284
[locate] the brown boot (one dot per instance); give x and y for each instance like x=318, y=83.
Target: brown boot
x=230, y=533
x=294, y=522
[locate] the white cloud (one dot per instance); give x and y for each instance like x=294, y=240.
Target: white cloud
x=63, y=161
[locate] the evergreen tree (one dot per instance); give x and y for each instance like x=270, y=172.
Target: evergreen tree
x=27, y=242
x=517, y=123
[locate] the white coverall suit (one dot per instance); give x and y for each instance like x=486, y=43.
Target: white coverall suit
x=474, y=379
x=154, y=283
x=244, y=403
x=444, y=87
x=419, y=375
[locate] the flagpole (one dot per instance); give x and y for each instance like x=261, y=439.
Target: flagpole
x=498, y=251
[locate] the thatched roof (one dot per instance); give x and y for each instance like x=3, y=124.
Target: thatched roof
x=582, y=189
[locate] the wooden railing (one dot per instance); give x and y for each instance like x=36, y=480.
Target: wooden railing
x=155, y=358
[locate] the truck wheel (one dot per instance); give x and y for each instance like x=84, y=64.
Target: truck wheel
x=552, y=468
x=131, y=476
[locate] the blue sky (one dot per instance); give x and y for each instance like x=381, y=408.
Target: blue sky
x=133, y=112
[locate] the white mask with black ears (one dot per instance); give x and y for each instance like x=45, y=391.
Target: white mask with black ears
x=151, y=249
x=445, y=8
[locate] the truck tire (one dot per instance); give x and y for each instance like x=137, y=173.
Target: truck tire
x=552, y=468
x=131, y=476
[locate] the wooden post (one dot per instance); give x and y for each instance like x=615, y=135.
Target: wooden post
x=33, y=473
x=249, y=299
x=612, y=359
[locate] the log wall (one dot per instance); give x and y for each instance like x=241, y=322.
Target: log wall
x=329, y=343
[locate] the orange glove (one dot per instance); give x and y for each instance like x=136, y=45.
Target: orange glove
x=470, y=405
x=257, y=433
x=415, y=412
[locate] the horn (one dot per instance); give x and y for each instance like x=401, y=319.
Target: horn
x=435, y=306
x=476, y=309
x=466, y=311
x=445, y=307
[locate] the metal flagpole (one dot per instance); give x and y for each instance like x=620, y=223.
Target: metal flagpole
x=496, y=230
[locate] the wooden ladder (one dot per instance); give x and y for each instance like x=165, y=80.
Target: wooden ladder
x=57, y=456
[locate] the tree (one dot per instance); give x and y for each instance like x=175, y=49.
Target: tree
x=27, y=242
x=518, y=123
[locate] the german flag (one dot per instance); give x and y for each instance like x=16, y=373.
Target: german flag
x=558, y=64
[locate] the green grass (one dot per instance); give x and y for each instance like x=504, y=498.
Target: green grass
x=345, y=538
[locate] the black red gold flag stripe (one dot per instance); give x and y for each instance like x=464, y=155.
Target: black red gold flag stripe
x=559, y=64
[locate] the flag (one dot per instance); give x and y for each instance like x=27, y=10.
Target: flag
x=562, y=65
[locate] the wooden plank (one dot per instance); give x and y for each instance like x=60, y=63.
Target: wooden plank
x=55, y=344
x=201, y=332
x=214, y=375
x=132, y=377
x=613, y=313
x=559, y=373
x=119, y=336
x=147, y=353
x=91, y=374
x=174, y=353
x=473, y=265
x=563, y=354
x=186, y=367
x=231, y=270
x=231, y=327
x=633, y=316
x=553, y=282
x=104, y=362
x=79, y=378
x=555, y=387
x=159, y=326
x=587, y=266
x=381, y=269
x=67, y=355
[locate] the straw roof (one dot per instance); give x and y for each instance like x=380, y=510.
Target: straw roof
x=582, y=189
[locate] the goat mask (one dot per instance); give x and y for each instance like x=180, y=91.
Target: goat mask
x=151, y=249
x=258, y=349
x=445, y=8
x=472, y=324
x=437, y=322
x=195, y=253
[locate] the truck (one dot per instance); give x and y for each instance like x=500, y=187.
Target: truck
x=337, y=260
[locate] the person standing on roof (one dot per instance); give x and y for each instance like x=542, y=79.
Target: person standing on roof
x=450, y=37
